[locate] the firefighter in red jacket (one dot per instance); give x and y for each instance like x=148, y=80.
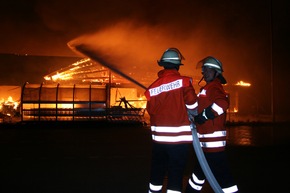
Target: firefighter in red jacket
x=170, y=99
x=213, y=103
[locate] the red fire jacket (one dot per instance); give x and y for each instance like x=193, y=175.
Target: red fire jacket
x=212, y=133
x=168, y=99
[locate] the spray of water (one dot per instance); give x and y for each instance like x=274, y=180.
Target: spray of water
x=94, y=56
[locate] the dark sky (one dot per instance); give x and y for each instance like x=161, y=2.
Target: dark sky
x=251, y=38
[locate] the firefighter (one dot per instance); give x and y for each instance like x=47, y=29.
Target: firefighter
x=213, y=103
x=170, y=98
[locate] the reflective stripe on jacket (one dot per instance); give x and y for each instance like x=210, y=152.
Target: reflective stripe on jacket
x=168, y=99
x=212, y=133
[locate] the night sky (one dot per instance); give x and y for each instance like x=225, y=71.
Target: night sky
x=251, y=38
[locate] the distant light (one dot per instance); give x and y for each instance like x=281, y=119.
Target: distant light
x=242, y=83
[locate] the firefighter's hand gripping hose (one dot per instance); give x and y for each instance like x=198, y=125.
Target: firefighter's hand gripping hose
x=202, y=161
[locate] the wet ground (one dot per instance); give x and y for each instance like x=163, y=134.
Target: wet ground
x=115, y=158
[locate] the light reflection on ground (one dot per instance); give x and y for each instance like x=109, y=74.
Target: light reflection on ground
x=258, y=135
x=240, y=136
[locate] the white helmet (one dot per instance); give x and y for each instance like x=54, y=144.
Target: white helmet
x=213, y=63
x=172, y=56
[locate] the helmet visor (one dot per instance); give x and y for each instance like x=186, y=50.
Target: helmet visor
x=171, y=55
x=210, y=62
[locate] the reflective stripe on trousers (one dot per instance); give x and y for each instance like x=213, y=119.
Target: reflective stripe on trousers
x=158, y=189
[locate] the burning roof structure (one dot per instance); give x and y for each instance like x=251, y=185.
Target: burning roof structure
x=84, y=90
x=85, y=71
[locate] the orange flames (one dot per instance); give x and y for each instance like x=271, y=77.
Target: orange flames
x=8, y=107
x=242, y=83
x=84, y=70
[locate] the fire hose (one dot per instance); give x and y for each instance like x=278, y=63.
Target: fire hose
x=202, y=161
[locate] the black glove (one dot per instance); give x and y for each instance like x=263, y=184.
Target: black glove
x=191, y=113
x=206, y=114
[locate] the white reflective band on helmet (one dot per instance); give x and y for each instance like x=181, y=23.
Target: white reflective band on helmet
x=171, y=58
x=154, y=187
x=213, y=144
x=217, y=109
x=230, y=189
x=212, y=65
x=214, y=134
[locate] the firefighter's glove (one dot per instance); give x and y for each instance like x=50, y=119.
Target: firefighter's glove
x=191, y=114
x=206, y=114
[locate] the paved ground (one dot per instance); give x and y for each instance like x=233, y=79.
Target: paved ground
x=102, y=158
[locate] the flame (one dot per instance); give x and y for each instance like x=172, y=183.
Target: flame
x=8, y=107
x=85, y=70
x=242, y=83
x=9, y=102
x=235, y=110
x=140, y=102
x=144, y=102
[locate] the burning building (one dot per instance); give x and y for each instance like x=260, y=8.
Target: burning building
x=84, y=90
x=88, y=90
x=9, y=102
